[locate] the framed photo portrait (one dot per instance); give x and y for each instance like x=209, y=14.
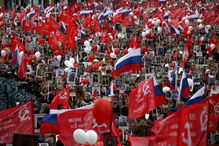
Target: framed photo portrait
x=95, y=78
x=49, y=76
x=40, y=71
x=96, y=89
x=71, y=78
x=105, y=81
x=59, y=72
x=123, y=121
x=29, y=70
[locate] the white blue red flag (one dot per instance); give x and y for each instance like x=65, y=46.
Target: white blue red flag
x=197, y=97
x=184, y=91
x=131, y=61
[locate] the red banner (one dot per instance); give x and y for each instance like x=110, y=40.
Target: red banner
x=79, y=119
x=188, y=126
x=143, y=100
x=213, y=111
x=19, y=119
x=61, y=98
x=139, y=141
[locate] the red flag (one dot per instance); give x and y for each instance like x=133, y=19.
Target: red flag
x=15, y=41
x=53, y=42
x=60, y=37
x=28, y=26
x=13, y=12
x=62, y=97
x=117, y=18
x=22, y=71
x=87, y=20
x=19, y=119
x=83, y=119
x=145, y=99
x=139, y=141
x=213, y=111
x=64, y=16
x=43, y=28
x=135, y=42
x=129, y=20
x=115, y=131
x=187, y=126
x=52, y=23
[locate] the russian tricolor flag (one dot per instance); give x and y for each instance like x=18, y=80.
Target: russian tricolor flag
x=63, y=27
x=49, y=9
x=174, y=80
x=16, y=59
x=197, y=97
x=163, y=1
x=105, y=14
x=184, y=91
x=158, y=90
x=30, y=14
x=131, y=61
x=124, y=11
x=166, y=15
x=86, y=12
x=49, y=124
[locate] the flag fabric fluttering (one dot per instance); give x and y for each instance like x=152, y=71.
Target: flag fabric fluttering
x=49, y=124
x=213, y=102
x=188, y=126
x=197, y=97
x=61, y=99
x=174, y=80
x=83, y=118
x=131, y=61
x=145, y=98
x=22, y=70
x=111, y=89
x=19, y=119
x=184, y=90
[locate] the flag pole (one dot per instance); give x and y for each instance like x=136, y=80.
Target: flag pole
x=157, y=113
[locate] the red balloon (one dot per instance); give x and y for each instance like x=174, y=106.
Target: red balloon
x=29, y=60
x=152, y=35
x=91, y=57
x=99, y=143
x=34, y=57
x=101, y=63
x=58, y=52
x=41, y=40
x=103, y=68
x=125, y=51
x=95, y=67
x=95, y=47
x=85, y=81
x=102, y=106
x=116, y=51
x=148, y=36
x=111, y=61
x=76, y=65
x=144, y=49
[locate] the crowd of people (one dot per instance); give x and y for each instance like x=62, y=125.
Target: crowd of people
x=79, y=45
